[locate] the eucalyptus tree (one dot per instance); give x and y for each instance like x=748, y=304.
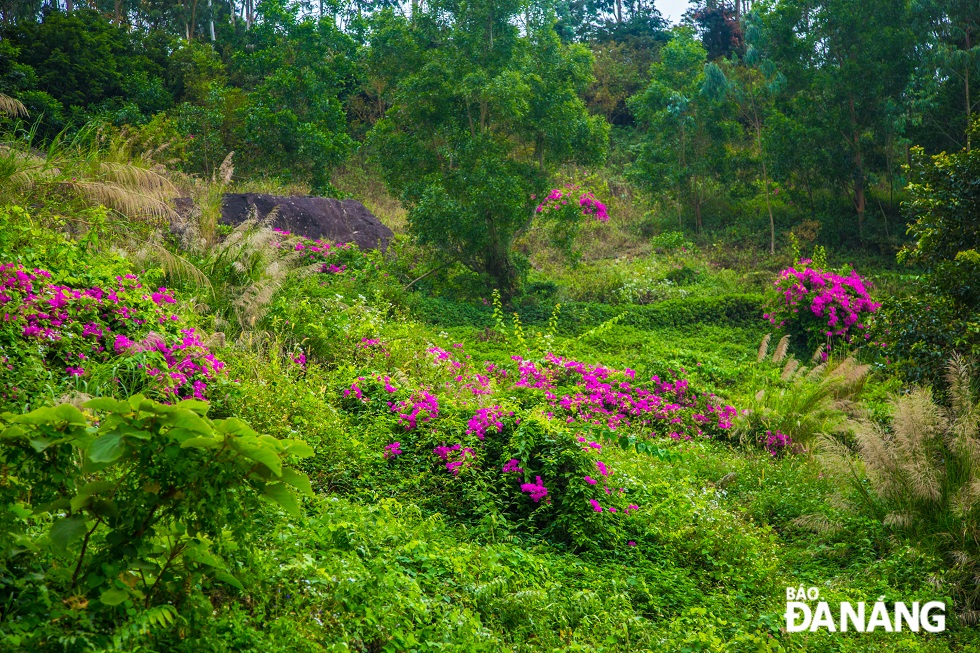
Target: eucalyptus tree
x=687, y=127
x=847, y=65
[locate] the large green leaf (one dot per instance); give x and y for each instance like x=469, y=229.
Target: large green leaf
x=285, y=497
x=201, y=442
x=189, y=420
x=107, y=448
x=109, y=405
x=226, y=577
x=298, y=480
x=66, y=530
x=266, y=456
x=113, y=596
x=297, y=448
x=81, y=498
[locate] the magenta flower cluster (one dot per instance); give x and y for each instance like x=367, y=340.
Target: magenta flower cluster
x=776, y=442
x=537, y=490
x=485, y=419
x=558, y=199
x=393, y=449
x=74, y=328
x=615, y=399
x=822, y=303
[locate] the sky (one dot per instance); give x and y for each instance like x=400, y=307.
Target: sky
x=672, y=10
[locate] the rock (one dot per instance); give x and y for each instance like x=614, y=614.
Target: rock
x=336, y=221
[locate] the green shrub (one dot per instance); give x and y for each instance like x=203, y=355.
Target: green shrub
x=131, y=505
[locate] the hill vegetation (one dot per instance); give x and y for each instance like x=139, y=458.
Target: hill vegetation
x=648, y=348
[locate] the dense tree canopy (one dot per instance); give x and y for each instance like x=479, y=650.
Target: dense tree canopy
x=699, y=125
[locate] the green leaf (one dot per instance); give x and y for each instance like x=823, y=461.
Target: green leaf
x=266, y=456
x=70, y=414
x=234, y=426
x=12, y=432
x=186, y=419
x=200, y=553
x=226, y=577
x=109, y=405
x=65, y=531
x=198, y=406
x=298, y=480
x=39, y=416
x=107, y=448
x=297, y=448
x=624, y=442
x=113, y=596
x=201, y=442
x=281, y=494
x=81, y=498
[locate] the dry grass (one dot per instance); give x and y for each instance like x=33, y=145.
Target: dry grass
x=95, y=167
x=360, y=181
x=920, y=474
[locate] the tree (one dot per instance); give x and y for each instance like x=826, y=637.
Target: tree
x=683, y=151
x=948, y=71
x=719, y=27
x=296, y=73
x=752, y=84
x=474, y=129
x=850, y=62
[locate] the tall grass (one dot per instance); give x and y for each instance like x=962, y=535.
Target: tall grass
x=920, y=475
x=92, y=167
x=802, y=402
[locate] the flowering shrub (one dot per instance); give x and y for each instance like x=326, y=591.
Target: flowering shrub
x=777, y=442
x=563, y=211
x=83, y=334
x=331, y=258
x=541, y=457
x=557, y=201
x=817, y=306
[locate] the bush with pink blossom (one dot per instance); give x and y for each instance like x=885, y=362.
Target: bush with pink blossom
x=115, y=337
x=817, y=306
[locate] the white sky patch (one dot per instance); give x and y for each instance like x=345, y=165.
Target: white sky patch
x=672, y=10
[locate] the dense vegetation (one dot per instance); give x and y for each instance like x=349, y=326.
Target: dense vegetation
x=651, y=344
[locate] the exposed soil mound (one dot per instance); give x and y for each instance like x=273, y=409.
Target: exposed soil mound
x=337, y=221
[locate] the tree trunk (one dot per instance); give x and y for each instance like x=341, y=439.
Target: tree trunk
x=497, y=263
x=211, y=19
x=757, y=120
x=619, y=11
x=859, y=199
x=966, y=80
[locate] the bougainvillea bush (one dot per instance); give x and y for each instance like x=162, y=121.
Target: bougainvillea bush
x=118, y=336
x=524, y=443
x=821, y=307
x=562, y=212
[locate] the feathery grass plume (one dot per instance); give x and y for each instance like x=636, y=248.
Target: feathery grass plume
x=763, y=348
x=781, y=348
x=225, y=171
x=818, y=354
x=791, y=365
x=920, y=476
x=12, y=106
x=93, y=167
x=236, y=279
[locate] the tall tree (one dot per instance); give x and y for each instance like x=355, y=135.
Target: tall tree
x=475, y=127
x=852, y=62
x=686, y=128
